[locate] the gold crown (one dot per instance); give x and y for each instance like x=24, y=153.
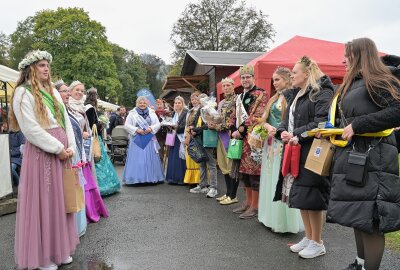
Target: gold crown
x=228, y=80
x=246, y=69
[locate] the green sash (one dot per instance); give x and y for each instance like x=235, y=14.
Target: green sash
x=48, y=100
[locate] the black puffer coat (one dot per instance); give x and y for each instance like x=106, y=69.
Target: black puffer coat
x=309, y=191
x=377, y=203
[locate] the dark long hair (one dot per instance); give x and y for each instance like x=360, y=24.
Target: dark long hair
x=364, y=60
x=91, y=98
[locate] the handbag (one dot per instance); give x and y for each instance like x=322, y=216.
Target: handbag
x=196, y=151
x=73, y=192
x=320, y=157
x=96, y=144
x=287, y=156
x=210, y=138
x=295, y=160
x=291, y=160
x=235, y=149
x=170, y=139
x=356, y=169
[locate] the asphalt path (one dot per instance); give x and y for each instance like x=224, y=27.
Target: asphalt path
x=166, y=227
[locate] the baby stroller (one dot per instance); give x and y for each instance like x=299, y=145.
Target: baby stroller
x=119, y=144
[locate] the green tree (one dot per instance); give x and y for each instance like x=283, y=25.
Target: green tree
x=78, y=44
x=21, y=41
x=156, y=72
x=175, y=68
x=221, y=25
x=4, y=49
x=80, y=49
x=131, y=74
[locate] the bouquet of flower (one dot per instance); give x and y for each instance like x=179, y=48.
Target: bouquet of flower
x=208, y=111
x=256, y=141
x=166, y=120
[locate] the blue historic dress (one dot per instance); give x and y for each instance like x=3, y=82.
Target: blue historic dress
x=81, y=221
x=143, y=164
x=275, y=215
x=176, y=168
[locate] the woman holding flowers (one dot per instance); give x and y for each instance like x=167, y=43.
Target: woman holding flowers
x=275, y=215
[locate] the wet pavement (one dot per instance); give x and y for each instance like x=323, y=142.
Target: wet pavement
x=166, y=227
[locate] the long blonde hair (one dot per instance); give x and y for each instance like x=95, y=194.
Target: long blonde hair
x=28, y=76
x=285, y=74
x=311, y=67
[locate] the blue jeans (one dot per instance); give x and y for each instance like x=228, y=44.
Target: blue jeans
x=15, y=175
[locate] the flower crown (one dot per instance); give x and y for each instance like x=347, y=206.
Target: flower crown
x=33, y=57
x=306, y=61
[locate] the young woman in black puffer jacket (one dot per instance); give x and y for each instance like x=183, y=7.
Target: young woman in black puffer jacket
x=368, y=102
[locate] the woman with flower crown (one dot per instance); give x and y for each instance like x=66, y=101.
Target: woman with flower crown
x=45, y=236
x=275, y=215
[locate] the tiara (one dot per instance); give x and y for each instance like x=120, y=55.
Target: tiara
x=33, y=57
x=305, y=60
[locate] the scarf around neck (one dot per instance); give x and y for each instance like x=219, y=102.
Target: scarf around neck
x=49, y=102
x=76, y=105
x=143, y=113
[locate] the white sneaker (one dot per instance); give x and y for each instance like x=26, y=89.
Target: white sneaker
x=313, y=250
x=300, y=245
x=67, y=260
x=196, y=189
x=50, y=267
x=204, y=190
x=212, y=193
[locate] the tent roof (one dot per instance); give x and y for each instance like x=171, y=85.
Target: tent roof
x=8, y=74
x=8, y=78
x=327, y=54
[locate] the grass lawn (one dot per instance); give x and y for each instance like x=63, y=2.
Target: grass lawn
x=393, y=240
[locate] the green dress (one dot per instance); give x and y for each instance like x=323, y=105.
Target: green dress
x=275, y=215
x=107, y=177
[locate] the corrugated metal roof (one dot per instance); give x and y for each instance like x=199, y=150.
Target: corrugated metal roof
x=222, y=58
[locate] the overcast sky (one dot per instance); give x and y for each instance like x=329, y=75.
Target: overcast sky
x=145, y=26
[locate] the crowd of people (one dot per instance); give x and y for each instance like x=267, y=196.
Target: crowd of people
x=249, y=136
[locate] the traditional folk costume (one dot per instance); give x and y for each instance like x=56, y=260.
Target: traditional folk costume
x=81, y=221
x=94, y=205
x=275, y=215
x=176, y=168
x=226, y=110
x=107, y=177
x=250, y=107
x=162, y=134
x=44, y=233
x=192, y=175
x=143, y=164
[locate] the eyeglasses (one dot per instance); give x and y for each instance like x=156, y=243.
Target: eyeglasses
x=63, y=91
x=245, y=77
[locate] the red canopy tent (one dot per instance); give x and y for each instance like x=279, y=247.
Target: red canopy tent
x=328, y=55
